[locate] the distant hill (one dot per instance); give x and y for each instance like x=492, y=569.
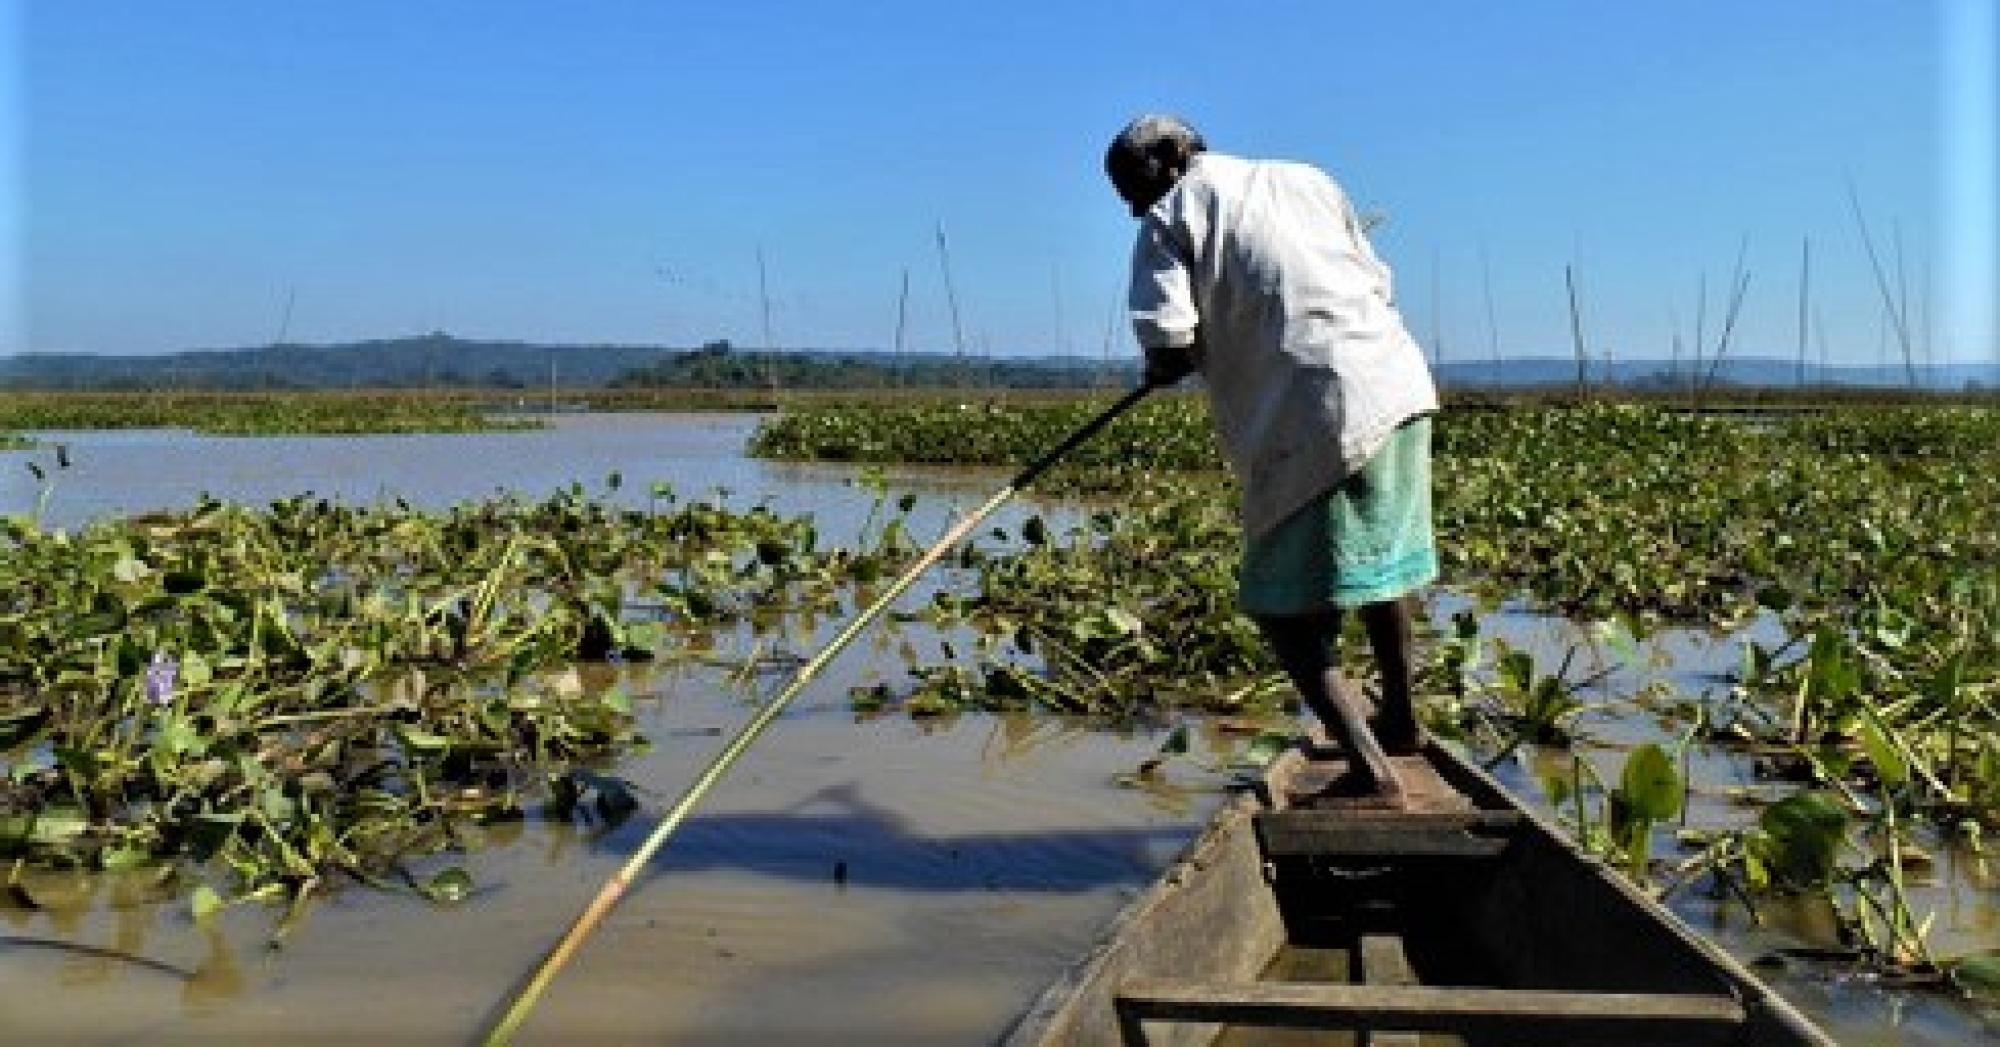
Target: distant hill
x=429, y=360
x=440, y=360
x=443, y=361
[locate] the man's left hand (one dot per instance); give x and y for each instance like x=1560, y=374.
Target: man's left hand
x=1167, y=365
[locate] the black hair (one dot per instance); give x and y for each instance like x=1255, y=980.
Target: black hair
x=1138, y=158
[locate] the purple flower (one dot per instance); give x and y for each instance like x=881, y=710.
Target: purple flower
x=160, y=679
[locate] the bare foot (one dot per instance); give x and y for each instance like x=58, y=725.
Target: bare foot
x=1355, y=790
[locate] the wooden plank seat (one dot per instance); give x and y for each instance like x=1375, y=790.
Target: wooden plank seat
x=1386, y=834
x=1520, y=1015
x=1380, y=960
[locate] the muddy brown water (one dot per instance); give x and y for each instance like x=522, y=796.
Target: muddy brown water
x=700, y=455
x=864, y=881
x=872, y=882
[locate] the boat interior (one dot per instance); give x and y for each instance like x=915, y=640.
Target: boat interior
x=1463, y=919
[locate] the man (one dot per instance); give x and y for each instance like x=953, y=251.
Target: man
x=1258, y=275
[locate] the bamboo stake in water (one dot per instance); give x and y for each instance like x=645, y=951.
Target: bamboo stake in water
x=614, y=888
x=1805, y=290
x=1576, y=334
x=951, y=299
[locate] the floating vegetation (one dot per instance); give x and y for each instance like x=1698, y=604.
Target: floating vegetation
x=250, y=414
x=14, y=442
x=1870, y=536
x=310, y=689
x=1640, y=513
x=1135, y=609
x=1165, y=432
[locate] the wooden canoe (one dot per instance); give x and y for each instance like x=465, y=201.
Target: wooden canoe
x=1467, y=919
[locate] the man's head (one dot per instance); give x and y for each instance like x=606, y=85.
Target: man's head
x=1149, y=156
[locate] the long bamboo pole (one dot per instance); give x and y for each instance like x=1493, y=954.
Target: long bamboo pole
x=614, y=888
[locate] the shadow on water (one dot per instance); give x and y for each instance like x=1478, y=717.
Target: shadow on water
x=95, y=952
x=837, y=836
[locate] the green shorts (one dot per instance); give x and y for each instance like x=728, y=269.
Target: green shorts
x=1366, y=540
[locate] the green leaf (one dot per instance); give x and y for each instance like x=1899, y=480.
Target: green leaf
x=278, y=807
x=205, y=903
x=1266, y=747
x=1650, y=784
x=1755, y=872
x=1177, y=741
x=1832, y=678
x=1517, y=671
x=1753, y=664
x=1616, y=635
x=1557, y=789
x=57, y=825
x=449, y=887
x=1878, y=741
x=129, y=856
x=1978, y=975
x=421, y=740
x=1802, y=835
x=1124, y=621
x=1944, y=685
x=177, y=736
x=80, y=762
x=195, y=670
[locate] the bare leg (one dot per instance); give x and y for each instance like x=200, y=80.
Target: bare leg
x=1389, y=633
x=1303, y=645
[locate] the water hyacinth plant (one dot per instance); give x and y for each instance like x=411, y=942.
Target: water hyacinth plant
x=251, y=414
x=311, y=689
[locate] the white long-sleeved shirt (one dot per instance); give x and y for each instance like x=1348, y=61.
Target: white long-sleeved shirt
x=1307, y=362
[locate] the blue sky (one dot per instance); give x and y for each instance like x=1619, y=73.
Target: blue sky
x=608, y=171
